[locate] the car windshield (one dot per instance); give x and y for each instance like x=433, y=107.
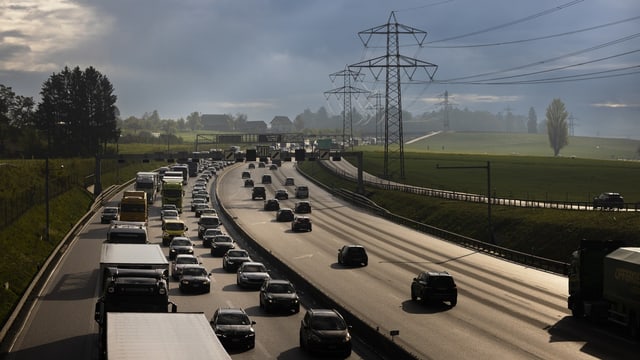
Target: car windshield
x=170, y=213
x=181, y=242
x=222, y=239
x=212, y=232
x=237, y=254
x=194, y=272
x=110, y=210
x=209, y=220
x=174, y=226
x=186, y=260
x=328, y=323
x=254, y=268
x=281, y=289
x=233, y=319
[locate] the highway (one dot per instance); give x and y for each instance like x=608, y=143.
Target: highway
x=504, y=310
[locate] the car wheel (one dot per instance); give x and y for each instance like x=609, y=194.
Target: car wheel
x=303, y=346
x=453, y=302
x=296, y=309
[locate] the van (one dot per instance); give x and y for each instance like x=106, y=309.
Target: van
x=302, y=192
x=172, y=228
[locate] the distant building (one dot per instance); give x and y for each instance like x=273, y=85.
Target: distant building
x=281, y=124
x=217, y=122
x=254, y=127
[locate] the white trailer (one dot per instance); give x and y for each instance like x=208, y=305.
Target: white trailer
x=132, y=256
x=148, y=182
x=162, y=336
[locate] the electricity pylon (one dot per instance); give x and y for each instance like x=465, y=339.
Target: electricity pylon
x=346, y=91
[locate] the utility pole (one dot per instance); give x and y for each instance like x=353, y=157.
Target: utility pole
x=571, y=123
x=392, y=62
x=346, y=91
x=446, y=104
x=377, y=107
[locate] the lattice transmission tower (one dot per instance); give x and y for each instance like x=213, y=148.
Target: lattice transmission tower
x=345, y=92
x=391, y=65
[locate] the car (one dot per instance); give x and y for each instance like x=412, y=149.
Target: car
x=284, y=214
x=251, y=274
x=233, y=258
x=434, y=286
x=251, y=166
x=180, y=261
x=180, y=245
x=209, y=234
x=207, y=222
x=258, y=192
x=608, y=200
x=302, y=207
x=273, y=167
x=221, y=243
x=246, y=175
x=248, y=183
x=279, y=295
x=234, y=328
x=281, y=194
x=201, y=210
x=301, y=223
x=169, y=214
x=271, y=205
x=266, y=179
x=195, y=278
x=353, y=255
x=302, y=192
x=109, y=213
x=169, y=207
x=198, y=201
x=289, y=181
x=201, y=182
x=200, y=193
x=261, y=164
x=325, y=331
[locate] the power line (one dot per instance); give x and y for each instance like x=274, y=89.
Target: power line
x=346, y=91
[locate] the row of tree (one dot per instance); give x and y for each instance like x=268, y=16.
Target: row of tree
x=77, y=116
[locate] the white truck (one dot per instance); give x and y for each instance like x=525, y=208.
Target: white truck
x=131, y=256
x=159, y=336
x=148, y=182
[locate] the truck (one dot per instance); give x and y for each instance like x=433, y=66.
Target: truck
x=184, y=169
x=157, y=336
x=604, y=283
x=193, y=167
x=172, y=192
x=147, y=181
x=134, y=206
x=131, y=256
x=127, y=232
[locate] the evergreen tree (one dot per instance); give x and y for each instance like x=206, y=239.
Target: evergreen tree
x=557, y=127
x=532, y=123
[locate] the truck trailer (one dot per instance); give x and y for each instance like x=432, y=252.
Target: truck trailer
x=147, y=181
x=604, y=284
x=134, y=206
x=133, y=336
x=131, y=256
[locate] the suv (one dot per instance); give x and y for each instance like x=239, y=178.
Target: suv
x=266, y=179
x=233, y=328
x=279, y=294
x=302, y=192
x=353, y=255
x=434, y=285
x=302, y=207
x=300, y=223
x=324, y=330
x=608, y=200
x=258, y=192
x=207, y=222
x=271, y=205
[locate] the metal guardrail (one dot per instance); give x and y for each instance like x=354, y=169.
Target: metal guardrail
x=537, y=262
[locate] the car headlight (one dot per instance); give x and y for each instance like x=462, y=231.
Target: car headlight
x=185, y=282
x=314, y=337
x=347, y=338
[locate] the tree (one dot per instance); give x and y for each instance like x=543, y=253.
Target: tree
x=194, y=122
x=532, y=123
x=557, y=127
x=77, y=112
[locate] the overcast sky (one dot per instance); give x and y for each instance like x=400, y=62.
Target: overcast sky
x=273, y=57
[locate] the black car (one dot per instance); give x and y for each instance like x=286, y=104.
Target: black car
x=302, y=207
x=281, y=194
x=246, y=175
x=434, y=286
x=109, y=213
x=608, y=200
x=180, y=245
x=248, y=183
x=279, y=295
x=258, y=192
x=266, y=179
x=220, y=244
x=325, y=331
x=233, y=258
x=207, y=222
x=198, y=201
x=301, y=223
x=195, y=278
x=273, y=167
x=353, y=255
x=251, y=166
x=284, y=214
x=233, y=328
x=208, y=236
x=271, y=205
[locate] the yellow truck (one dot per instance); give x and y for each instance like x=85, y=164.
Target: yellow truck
x=134, y=206
x=172, y=228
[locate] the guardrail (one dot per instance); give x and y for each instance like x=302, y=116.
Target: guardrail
x=537, y=262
